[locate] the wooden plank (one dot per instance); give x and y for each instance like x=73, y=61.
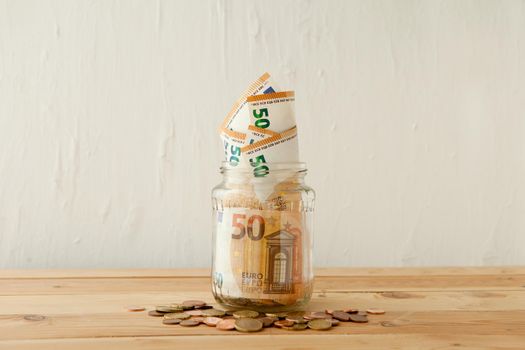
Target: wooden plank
x=414, y=301
x=14, y=327
x=261, y=341
x=195, y=284
x=204, y=272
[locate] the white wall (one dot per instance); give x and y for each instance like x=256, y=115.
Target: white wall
x=411, y=119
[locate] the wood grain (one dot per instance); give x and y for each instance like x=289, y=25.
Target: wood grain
x=465, y=308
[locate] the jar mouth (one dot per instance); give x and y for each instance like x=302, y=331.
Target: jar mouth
x=279, y=167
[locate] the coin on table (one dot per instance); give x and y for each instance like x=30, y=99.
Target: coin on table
x=135, y=308
x=341, y=316
x=179, y=315
x=358, y=318
x=248, y=325
x=189, y=323
x=213, y=312
x=296, y=327
x=277, y=314
x=212, y=321
x=245, y=314
x=284, y=323
x=155, y=313
x=203, y=307
x=193, y=303
x=375, y=311
x=351, y=311
x=320, y=324
x=317, y=315
x=226, y=325
x=167, y=308
x=194, y=312
x=181, y=307
x=296, y=319
x=267, y=321
x=172, y=321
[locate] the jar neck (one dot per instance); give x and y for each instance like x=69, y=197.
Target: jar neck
x=264, y=173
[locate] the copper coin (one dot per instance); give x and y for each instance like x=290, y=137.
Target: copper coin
x=358, y=318
x=171, y=321
x=351, y=311
x=284, y=323
x=267, y=321
x=341, y=316
x=204, y=307
x=134, y=308
x=194, y=312
x=211, y=321
x=329, y=311
x=189, y=323
x=296, y=319
x=193, y=303
x=155, y=313
x=199, y=319
x=375, y=311
x=226, y=325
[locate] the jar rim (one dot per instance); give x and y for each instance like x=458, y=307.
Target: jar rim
x=230, y=167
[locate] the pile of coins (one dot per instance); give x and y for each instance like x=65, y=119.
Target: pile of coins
x=191, y=313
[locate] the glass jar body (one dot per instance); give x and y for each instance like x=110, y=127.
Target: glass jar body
x=262, y=239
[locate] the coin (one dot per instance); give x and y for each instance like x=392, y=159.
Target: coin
x=296, y=327
x=194, y=312
x=375, y=311
x=167, y=308
x=189, y=323
x=248, y=325
x=134, y=308
x=226, y=325
x=181, y=307
x=296, y=319
x=211, y=321
x=334, y=322
x=267, y=321
x=283, y=323
x=329, y=311
x=277, y=314
x=351, y=311
x=203, y=307
x=172, y=321
x=213, y=312
x=179, y=315
x=317, y=315
x=245, y=314
x=198, y=319
x=320, y=324
x=155, y=313
x=341, y=316
x=193, y=303
x=358, y=318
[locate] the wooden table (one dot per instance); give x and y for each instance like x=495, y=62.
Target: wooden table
x=427, y=308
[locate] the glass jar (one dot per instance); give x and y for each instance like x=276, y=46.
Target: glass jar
x=262, y=238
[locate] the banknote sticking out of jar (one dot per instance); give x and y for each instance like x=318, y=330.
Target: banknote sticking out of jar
x=262, y=238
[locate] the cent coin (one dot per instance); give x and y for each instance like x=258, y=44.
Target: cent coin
x=248, y=325
x=226, y=325
x=189, y=323
x=245, y=314
x=320, y=324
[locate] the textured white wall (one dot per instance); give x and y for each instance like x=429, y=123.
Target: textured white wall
x=411, y=118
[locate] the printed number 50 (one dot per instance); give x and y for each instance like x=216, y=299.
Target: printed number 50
x=239, y=220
